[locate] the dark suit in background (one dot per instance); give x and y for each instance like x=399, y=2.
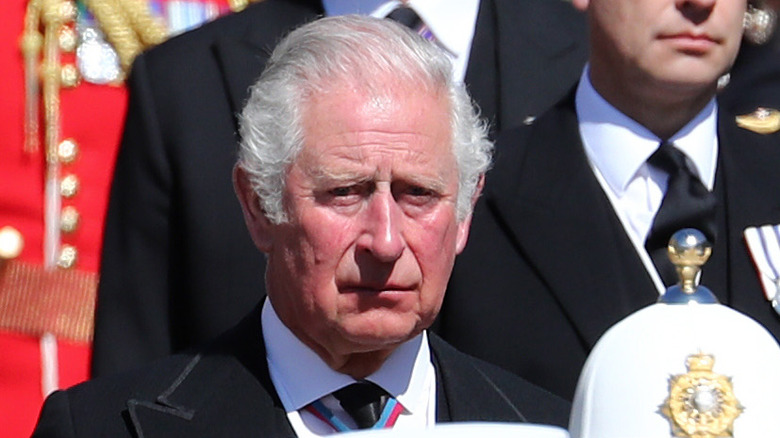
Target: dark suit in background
x=549, y=268
x=225, y=391
x=755, y=78
x=178, y=266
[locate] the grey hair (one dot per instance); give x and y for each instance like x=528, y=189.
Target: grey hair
x=362, y=52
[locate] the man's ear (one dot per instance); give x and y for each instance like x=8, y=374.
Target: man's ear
x=582, y=5
x=260, y=228
x=465, y=224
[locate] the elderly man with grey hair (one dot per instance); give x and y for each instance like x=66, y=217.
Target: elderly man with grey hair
x=359, y=166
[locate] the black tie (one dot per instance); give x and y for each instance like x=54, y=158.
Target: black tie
x=363, y=401
x=686, y=204
x=406, y=16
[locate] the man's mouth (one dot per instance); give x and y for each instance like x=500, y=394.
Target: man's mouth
x=691, y=42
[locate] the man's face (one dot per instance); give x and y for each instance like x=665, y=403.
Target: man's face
x=675, y=44
x=364, y=260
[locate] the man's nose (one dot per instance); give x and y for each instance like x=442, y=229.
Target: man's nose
x=697, y=11
x=383, y=236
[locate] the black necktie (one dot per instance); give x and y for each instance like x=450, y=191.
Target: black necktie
x=406, y=16
x=363, y=401
x=686, y=204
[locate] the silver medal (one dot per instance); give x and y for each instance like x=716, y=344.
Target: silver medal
x=96, y=59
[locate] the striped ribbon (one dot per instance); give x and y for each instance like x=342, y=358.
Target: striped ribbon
x=764, y=246
x=389, y=416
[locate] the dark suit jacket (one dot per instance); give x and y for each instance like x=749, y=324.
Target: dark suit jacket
x=225, y=390
x=755, y=78
x=175, y=238
x=548, y=266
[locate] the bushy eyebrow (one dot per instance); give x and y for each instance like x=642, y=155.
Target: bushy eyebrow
x=435, y=184
x=328, y=177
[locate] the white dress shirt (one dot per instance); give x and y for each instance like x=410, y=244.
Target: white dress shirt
x=451, y=22
x=301, y=377
x=618, y=148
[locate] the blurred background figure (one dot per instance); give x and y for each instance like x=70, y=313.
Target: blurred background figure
x=62, y=70
x=177, y=266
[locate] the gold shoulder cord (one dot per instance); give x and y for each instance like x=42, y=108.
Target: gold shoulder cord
x=31, y=43
x=128, y=24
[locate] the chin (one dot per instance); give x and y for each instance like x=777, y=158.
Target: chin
x=694, y=72
x=378, y=333
x=687, y=86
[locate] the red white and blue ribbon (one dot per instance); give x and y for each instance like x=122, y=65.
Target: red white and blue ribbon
x=764, y=246
x=387, y=419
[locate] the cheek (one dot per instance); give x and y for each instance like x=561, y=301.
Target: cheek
x=327, y=235
x=435, y=247
x=325, y=249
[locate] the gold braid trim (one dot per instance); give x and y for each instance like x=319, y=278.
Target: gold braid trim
x=128, y=25
x=35, y=301
x=30, y=44
x=50, y=15
x=117, y=29
x=150, y=30
x=54, y=14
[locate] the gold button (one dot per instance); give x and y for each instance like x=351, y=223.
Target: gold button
x=67, y=258
x=67, y=39
x=68, y=11
x=67, y=150
x=56, y=13
x=69, y=186
x=69, y=219
x=69, y=76
x=11, y=243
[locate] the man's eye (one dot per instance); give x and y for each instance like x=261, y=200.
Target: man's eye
x=418, y=191
x=342, y=191
x=417, y=196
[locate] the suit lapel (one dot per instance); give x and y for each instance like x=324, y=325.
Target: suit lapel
x=545, y=195
x=481, y=75
x=242, y=56
x=240, y=64
x=463, y=393
x=522, y=29
x=227, y=385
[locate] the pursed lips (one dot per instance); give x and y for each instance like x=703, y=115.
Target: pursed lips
x=376, y=288
x=695, y=41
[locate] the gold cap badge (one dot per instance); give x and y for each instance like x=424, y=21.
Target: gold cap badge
x=701, y=403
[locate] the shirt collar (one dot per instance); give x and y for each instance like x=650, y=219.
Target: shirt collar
x=301, y=377
x=606, y=134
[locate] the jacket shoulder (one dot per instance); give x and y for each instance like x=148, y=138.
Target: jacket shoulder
x=484, y=381
x=98, y=407
x=262, y=24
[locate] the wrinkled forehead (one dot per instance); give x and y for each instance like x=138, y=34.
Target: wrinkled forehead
x=397, y=124
x=391, y=106
x=376, y=88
